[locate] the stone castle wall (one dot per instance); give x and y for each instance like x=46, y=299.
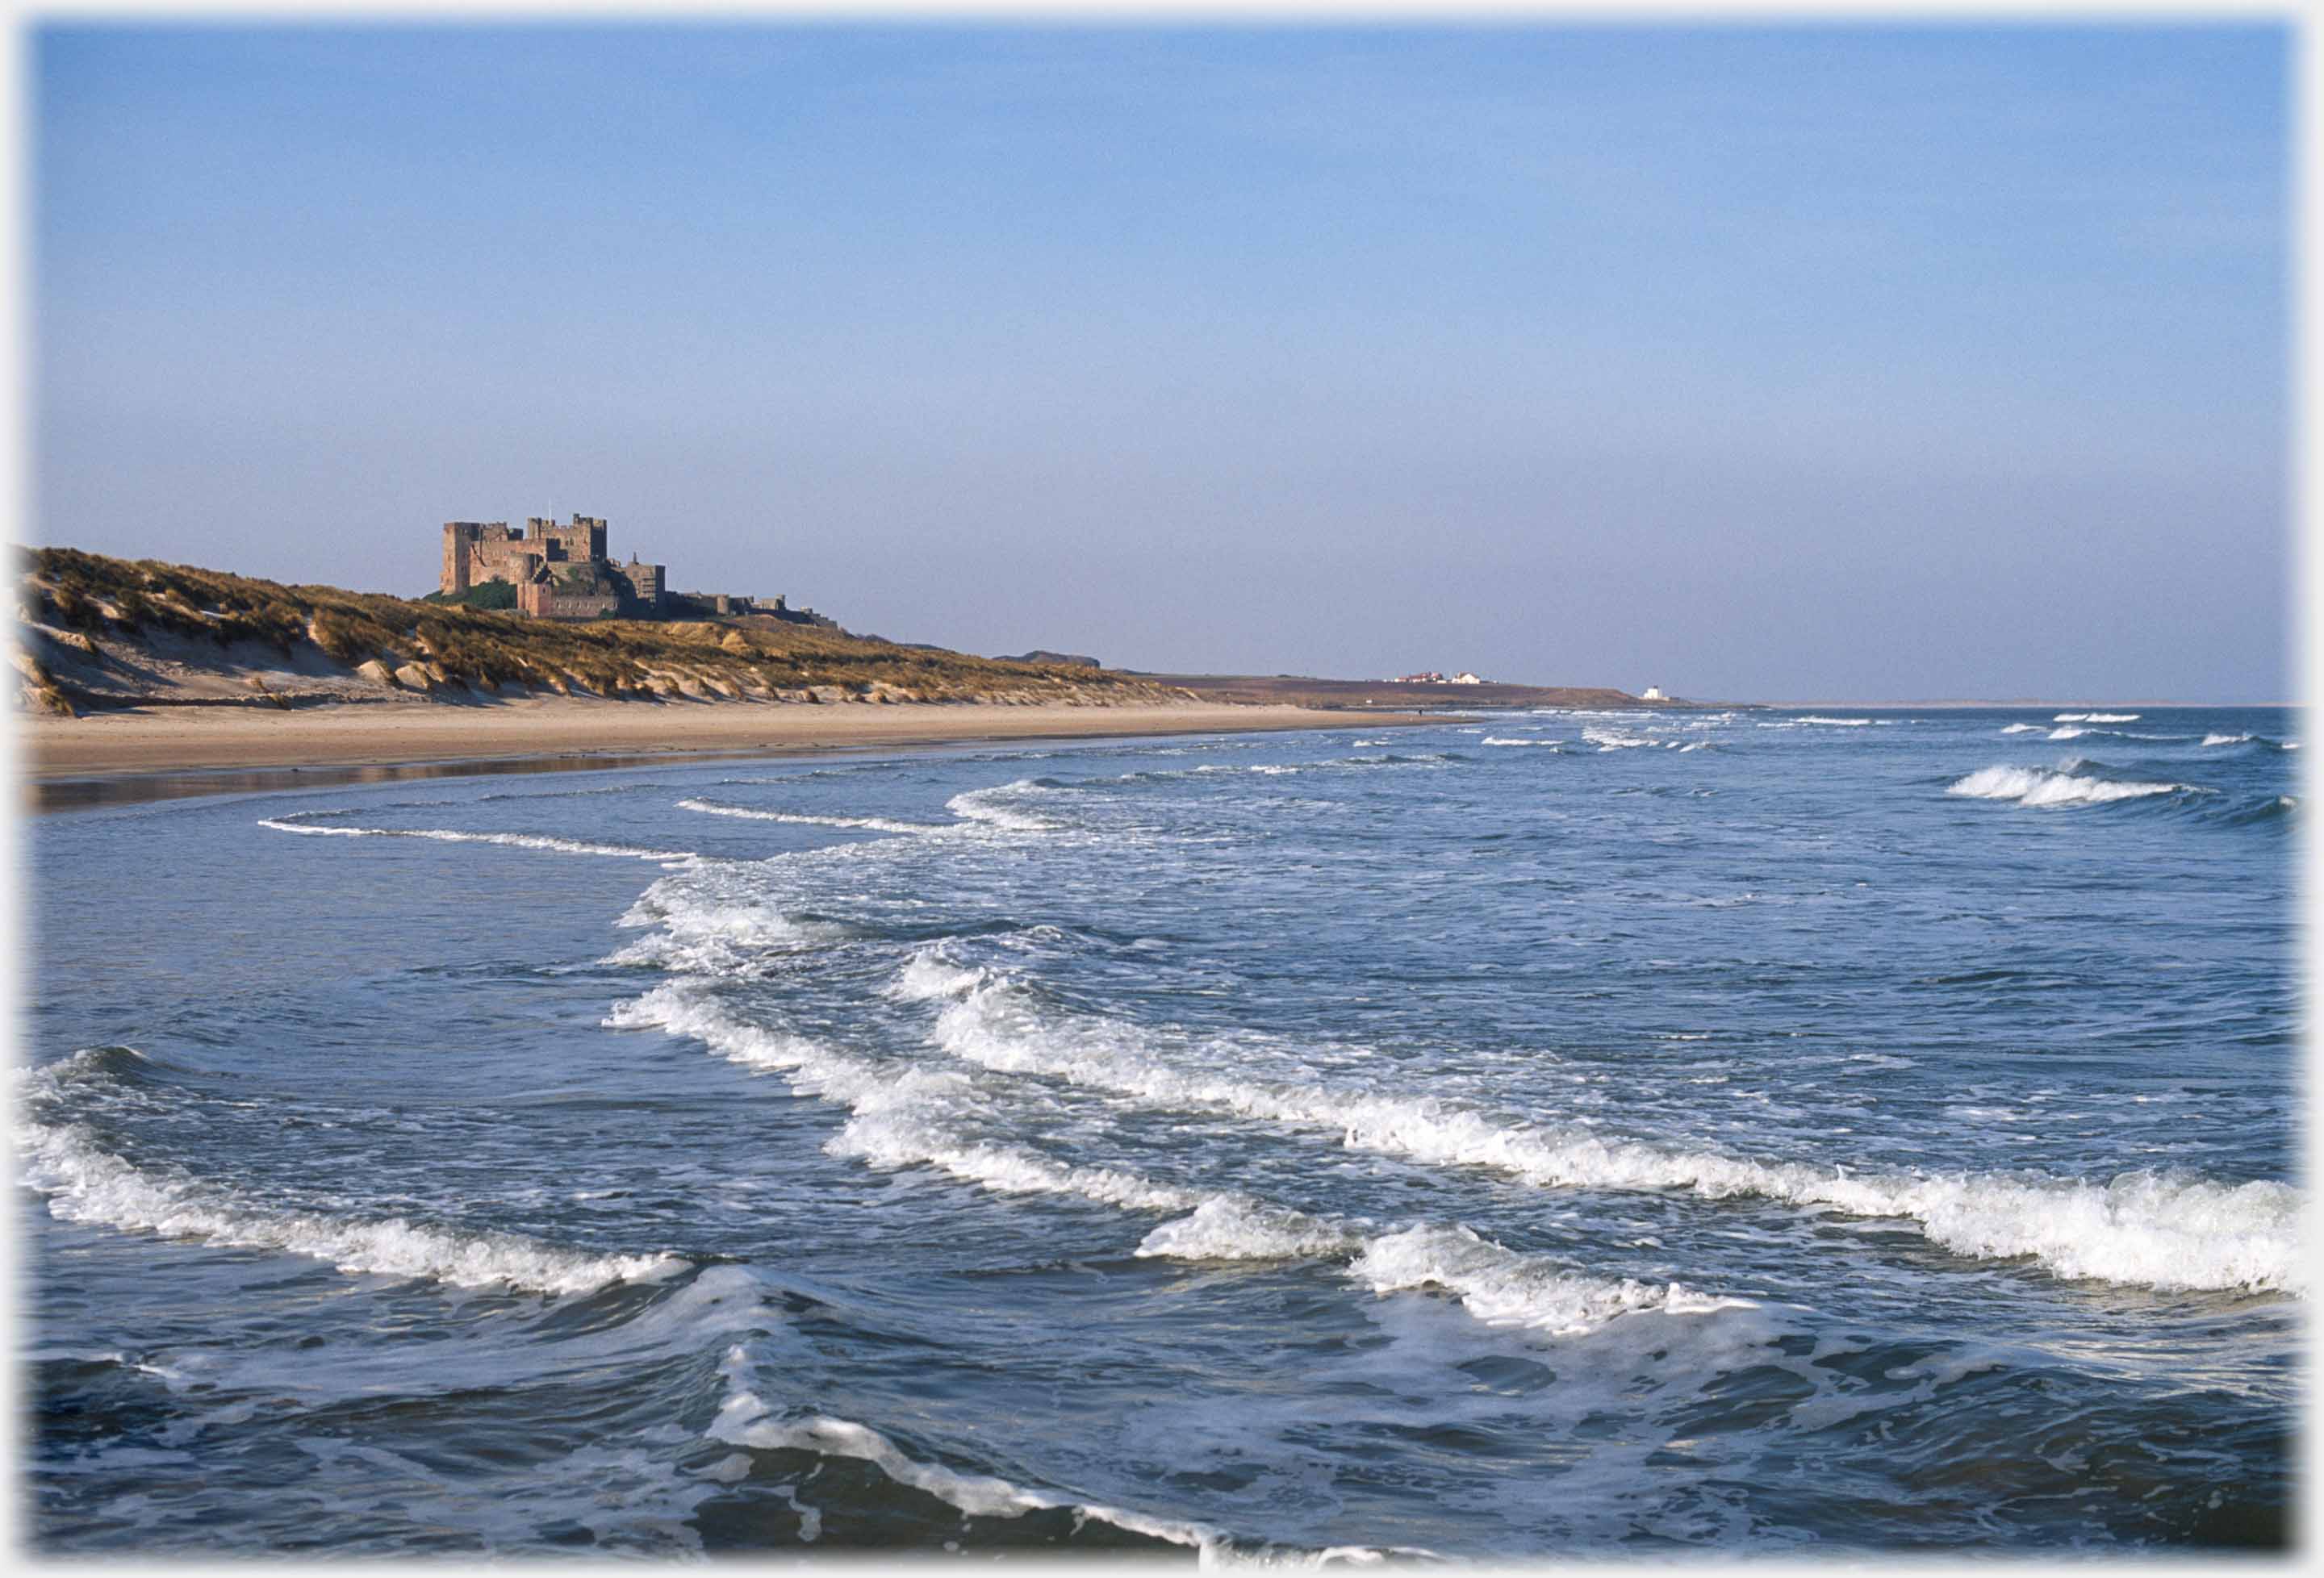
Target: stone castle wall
x=548, y=601
x=562, y=571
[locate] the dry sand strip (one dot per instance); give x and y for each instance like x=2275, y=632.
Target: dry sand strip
x=115, y=748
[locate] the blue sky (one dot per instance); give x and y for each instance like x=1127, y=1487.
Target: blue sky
x=1788, y=361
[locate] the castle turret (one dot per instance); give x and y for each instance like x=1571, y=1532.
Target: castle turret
x=459, y=545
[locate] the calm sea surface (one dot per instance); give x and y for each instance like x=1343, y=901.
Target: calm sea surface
x=1593, y=1133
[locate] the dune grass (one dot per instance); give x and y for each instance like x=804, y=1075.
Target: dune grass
x=96, y=596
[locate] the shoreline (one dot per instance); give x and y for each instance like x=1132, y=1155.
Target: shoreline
x=117, y=758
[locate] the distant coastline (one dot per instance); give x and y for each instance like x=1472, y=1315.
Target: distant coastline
x=181, y=677
x=1958, y=704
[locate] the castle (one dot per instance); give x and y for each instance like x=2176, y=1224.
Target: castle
x=562, y=573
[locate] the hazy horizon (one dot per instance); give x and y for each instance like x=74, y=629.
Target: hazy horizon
x=1748, y=361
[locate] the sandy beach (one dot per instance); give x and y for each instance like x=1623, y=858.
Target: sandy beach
x=120, y=747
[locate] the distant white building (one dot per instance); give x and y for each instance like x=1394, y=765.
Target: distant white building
x=1464, y=678
x=1655, y=693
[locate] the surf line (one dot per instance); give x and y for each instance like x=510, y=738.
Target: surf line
x=903, y=1119
x=2137, y=1229
x=285, y=824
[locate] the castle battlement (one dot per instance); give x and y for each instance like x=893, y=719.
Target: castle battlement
x=561, y=570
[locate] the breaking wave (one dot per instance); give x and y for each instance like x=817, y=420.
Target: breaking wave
x=720, y=939
x=916, y=1116
x=452, y=836
x=84, y=1182
x=1607, y=740
x=2139, y=1228
x=993, y=808
x=1497, y=1285
x=745, y=1419
x=2033, y=787
x=1502, y=1287
x=897, y=1118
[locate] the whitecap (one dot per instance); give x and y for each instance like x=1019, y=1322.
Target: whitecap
x=897, y=1119
x=2032, y=786
x=716, y=938
x=993, y=808
x=84, y=1182
x=912, y=1119
x=1495, y=1284
x=2167, y=1234
x=1503, y=1286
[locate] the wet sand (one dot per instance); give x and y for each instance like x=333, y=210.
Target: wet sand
x=111, y=757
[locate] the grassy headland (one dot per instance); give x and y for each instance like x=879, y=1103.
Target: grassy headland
x=145, y=679
x=98, y=634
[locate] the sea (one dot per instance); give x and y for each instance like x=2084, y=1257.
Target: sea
x=1528, y=1136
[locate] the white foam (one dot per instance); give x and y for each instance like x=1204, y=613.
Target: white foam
x=1237, y=1228
x=1503, y=1286
x=1521, y=742
x=990, y=808
x=2225, y=739
x=2033, y=787
x=1835, y=722
x=2137, y=1229
x=710, y=934
x=2068, y=732
x=2021, y=728
x=84, y=1182
x=875, y=823
x=1607, y=740
x=911, y=1117
x=1494, y=1283
x=452, y=836
x=928, y=975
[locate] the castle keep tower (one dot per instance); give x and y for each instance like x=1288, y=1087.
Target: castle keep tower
x=485, y=550
x=580, y=540
x=459, y=547
x=559, y=571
